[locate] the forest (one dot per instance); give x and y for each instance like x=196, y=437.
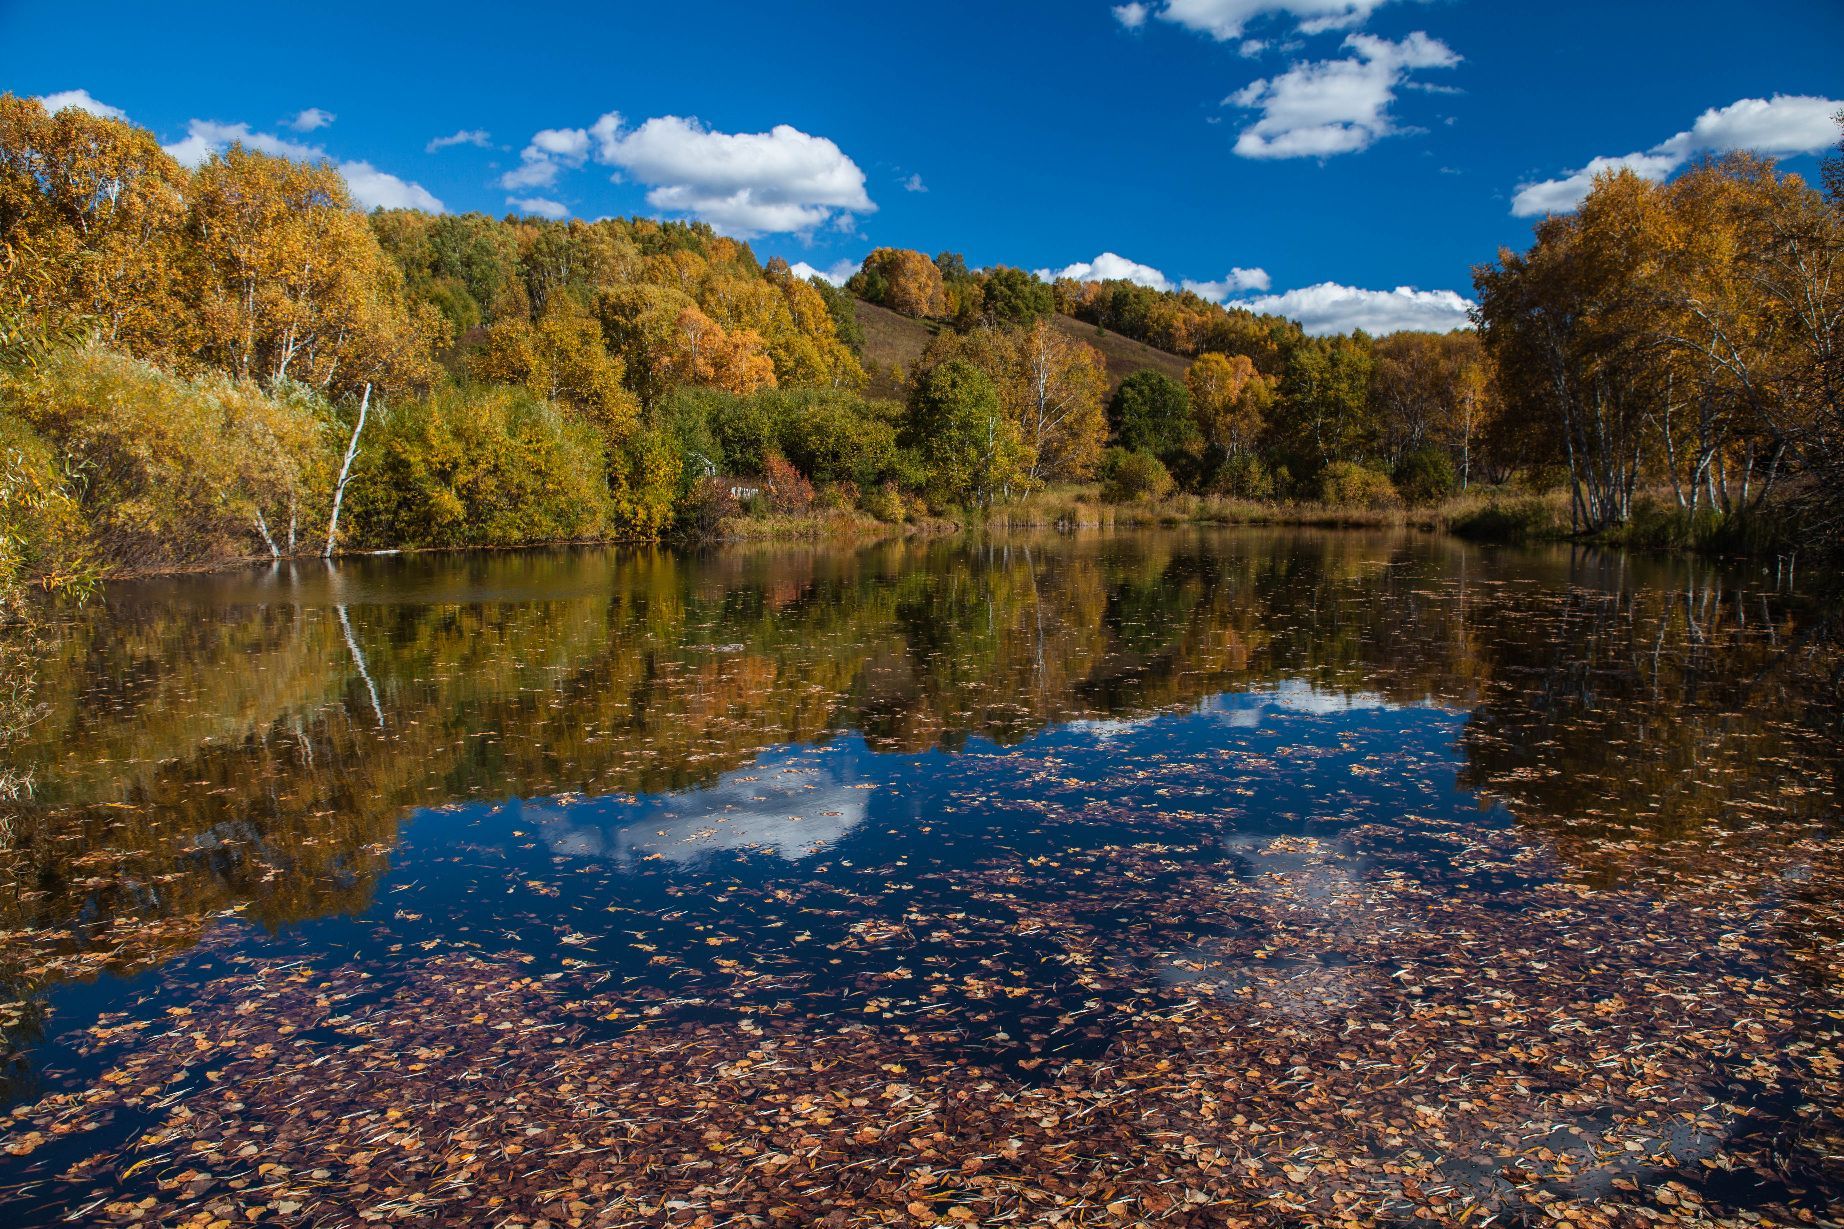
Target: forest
x=204, y=367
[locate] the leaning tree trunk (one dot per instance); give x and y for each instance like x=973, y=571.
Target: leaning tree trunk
x=345, y=472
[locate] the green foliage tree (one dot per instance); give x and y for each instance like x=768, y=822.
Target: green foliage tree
x=1012, y=297
x=1324, y=407
x=1151, y=412
x=962, y=435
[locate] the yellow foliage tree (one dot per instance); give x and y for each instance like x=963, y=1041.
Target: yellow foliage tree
x=1230, y=399
x=92, y=213
x=291, y=282
x=561, y=358
x=903, y=281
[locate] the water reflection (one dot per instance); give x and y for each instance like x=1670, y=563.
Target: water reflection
x=1328, y=803
x=254, y=741
x=792, y=806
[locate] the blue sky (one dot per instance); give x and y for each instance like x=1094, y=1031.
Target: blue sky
x=1308, y=156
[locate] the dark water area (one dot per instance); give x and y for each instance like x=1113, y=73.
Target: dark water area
x=1189, y=877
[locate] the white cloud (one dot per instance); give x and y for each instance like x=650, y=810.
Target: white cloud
x=1318, y=109
x=1782, y=125
x=1234, y=282
x=744, y=184
x=1110, y=267
x=838, y=274
x=914, y=184
x=1225, y=20
x=206, y=137
x=81, y=100
x=549, y=151
x=371, y=188
x=466, y=136
x=1133, y=16
x=310, y=119
x=375, y=189
x=1562, y=195
x=539, y=206
x=1331, y=308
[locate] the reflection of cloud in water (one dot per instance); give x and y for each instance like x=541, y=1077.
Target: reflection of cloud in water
x=1106, y=729
x=1245, y=709
x=792, y=805
x=1320, y=890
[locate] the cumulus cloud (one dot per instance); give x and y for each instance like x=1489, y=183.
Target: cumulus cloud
x=81, y=100
x=1331, y=308
x=1318, y=109
x=371, y=188
x=1109, y=267
x=466, y=136
x=1236, y=281
x=1133, y=16
x=914, y=184
x=375, y=189
x=539, y=206
x=1225, y=20
x=310, y=119
x=744, y=184
x=206, y=137
x=1782, y=125
x=550, y=151
x=837, y=275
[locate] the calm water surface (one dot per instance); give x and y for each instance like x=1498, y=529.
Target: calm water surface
x=1167, y=878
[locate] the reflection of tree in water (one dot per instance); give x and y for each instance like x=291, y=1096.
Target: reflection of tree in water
x=211, y=744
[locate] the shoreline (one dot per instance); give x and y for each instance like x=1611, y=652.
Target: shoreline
x=1500, y=519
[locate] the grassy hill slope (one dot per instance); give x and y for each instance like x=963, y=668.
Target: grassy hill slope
x=892, y=342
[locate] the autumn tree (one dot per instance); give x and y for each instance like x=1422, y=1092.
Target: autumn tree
x=1012, y=297
x=1231, y=401
x=292, y=282
x=92, y=214
x=901, y=280
x=561, y=358
x=1568, y=335
x=1061, y=418
x=1324, y=398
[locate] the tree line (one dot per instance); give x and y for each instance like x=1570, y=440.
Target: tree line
x=1688, y=335
x=198, y=366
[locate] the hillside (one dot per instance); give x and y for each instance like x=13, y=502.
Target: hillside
x=894, y=341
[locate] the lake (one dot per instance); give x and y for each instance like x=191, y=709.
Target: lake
x=1196, y=877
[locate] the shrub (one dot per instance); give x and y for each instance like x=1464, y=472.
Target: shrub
x=1516, y=520
x=705, y=509
x=169, y=471
x=885, y=503
x=789, y=492
x=838, y=496
x=42, y=537
x=1425, y=476
x=1346, y=484
x=480, y=467
x=834, y=436
x=1127, y=476
x=644, y=472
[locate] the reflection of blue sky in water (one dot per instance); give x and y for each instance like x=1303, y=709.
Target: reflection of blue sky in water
x=796, y=802
x=789, y=802
x=1247, y=709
